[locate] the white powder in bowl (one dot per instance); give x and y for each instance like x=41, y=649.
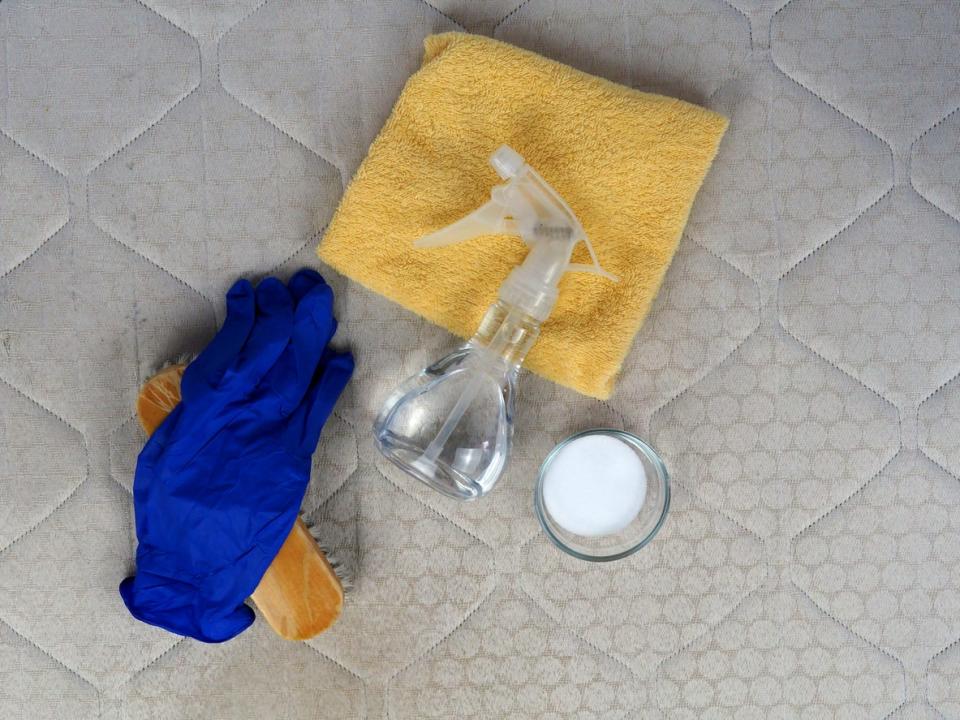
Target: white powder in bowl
x=594, y=486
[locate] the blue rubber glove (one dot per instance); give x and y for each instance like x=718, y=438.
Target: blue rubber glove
x=219, y=484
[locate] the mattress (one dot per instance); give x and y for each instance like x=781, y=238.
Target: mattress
x=799, y=371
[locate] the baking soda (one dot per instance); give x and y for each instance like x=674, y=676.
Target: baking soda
x=595, y=486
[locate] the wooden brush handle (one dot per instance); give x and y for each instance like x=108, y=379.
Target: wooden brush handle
x=300, y=594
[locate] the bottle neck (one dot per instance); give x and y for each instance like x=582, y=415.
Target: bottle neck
x=533, y=285
x=507, y=332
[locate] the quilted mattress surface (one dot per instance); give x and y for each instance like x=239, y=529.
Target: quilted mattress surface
x=798, y=372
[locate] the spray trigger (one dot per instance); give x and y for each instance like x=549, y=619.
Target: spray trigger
x=526, y=205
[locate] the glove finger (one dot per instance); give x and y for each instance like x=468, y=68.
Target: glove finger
x=204, y=373
x=270, y=335
x=303, y=281
x=320, y=400
x=313, y=327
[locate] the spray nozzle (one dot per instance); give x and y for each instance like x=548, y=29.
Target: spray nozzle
x=526, y=205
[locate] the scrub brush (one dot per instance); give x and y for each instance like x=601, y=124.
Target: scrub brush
x=301, y=593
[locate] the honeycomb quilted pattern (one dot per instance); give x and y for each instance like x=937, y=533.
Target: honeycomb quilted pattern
x=800, y=370
x=898, y=590
x=778, y=655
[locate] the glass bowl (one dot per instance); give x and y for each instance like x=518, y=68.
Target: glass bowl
x=641, y=529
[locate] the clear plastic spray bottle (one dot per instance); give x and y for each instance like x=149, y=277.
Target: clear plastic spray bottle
x=451, y=424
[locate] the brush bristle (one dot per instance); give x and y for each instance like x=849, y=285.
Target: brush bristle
x=339, y=567
x=182, y=359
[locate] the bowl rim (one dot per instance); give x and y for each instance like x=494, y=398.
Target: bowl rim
x=638, y=443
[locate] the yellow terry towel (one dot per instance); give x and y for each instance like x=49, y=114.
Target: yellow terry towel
x=628, y=163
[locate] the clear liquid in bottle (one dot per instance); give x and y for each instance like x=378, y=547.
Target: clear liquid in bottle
x=451, y=424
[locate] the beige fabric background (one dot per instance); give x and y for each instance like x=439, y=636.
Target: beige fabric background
x=798, y=372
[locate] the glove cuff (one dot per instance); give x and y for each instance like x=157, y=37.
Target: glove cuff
x=175, y=605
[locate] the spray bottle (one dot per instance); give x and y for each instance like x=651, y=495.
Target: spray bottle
x=451, y=424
